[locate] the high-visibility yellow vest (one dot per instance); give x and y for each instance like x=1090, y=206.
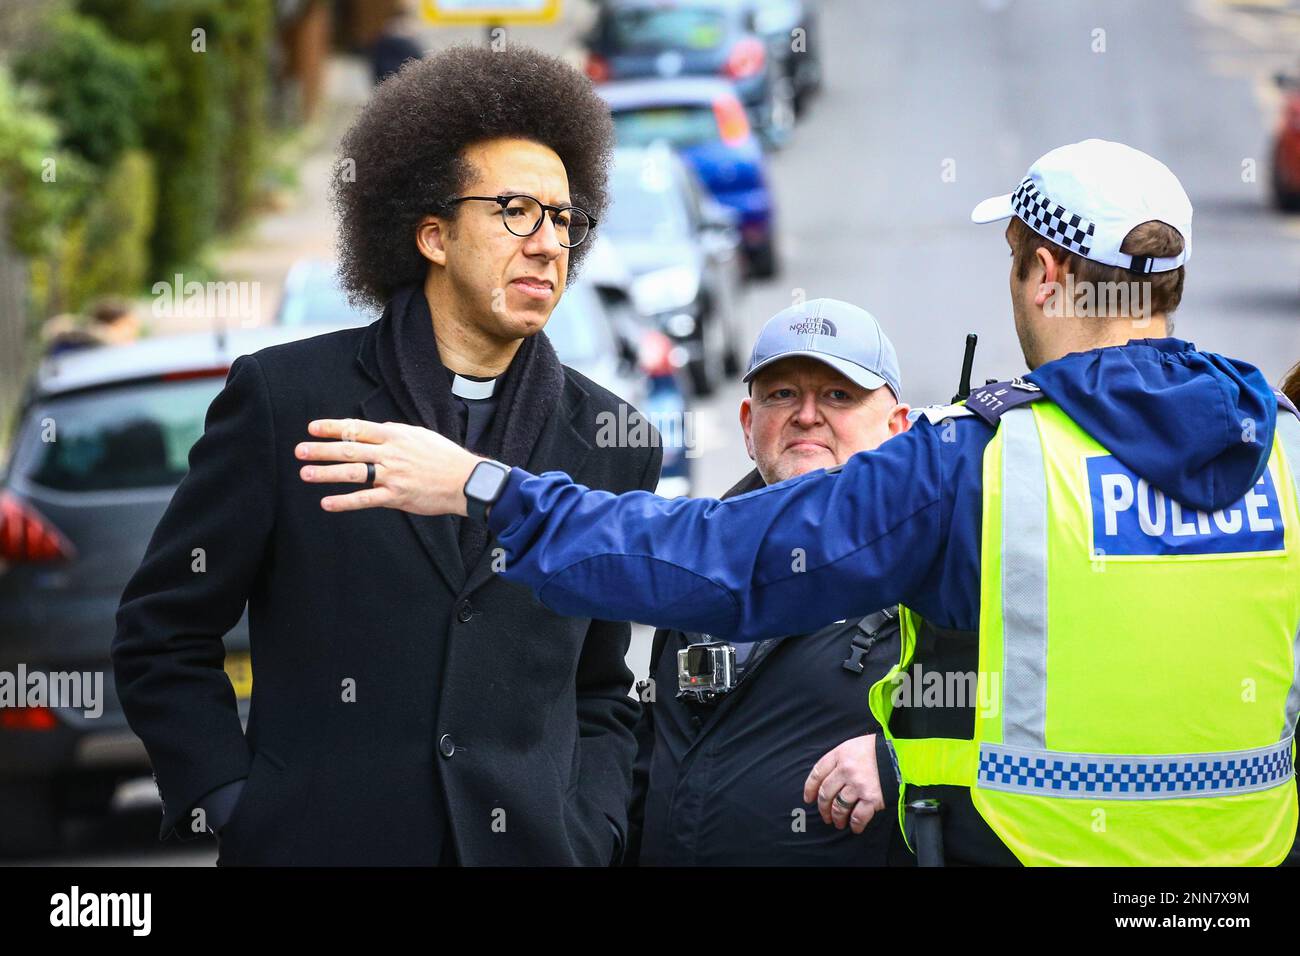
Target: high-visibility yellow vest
x=1137, y=691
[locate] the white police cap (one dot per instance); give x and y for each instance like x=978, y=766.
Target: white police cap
x=1087, y=197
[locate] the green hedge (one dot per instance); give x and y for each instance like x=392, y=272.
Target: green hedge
x=42, y=183
x=129, y=140
x=207, y=129
x=92, y=84
x=104, y=249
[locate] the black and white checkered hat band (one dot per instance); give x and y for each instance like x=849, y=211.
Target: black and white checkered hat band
x=1052, y=220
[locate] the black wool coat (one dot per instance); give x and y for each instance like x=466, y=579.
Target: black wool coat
x=469, y=699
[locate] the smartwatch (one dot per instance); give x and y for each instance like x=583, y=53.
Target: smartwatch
x=484, y=487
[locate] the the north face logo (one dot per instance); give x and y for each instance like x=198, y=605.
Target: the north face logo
x=814, y=327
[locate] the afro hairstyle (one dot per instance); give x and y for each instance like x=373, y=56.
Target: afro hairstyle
x=403, y=158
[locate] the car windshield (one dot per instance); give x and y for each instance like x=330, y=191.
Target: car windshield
x=651, y=29
x=679, y=126
x=647, y=205
x=577, y=327
x=135, y=436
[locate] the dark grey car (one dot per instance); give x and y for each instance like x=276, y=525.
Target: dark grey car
x=102, y=441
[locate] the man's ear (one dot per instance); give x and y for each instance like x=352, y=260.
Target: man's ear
x=1048, y=273
x=747, y=422
x=430, y=239
x=898, y=420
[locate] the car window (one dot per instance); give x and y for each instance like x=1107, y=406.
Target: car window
x=321, y=300
x=679, y=126
x=136, y=436
x=776, y=16
x=650, y=29
x=647, y=204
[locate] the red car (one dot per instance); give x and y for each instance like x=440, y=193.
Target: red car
x=1286, y=150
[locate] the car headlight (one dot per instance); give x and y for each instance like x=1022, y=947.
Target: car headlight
x=665, y=289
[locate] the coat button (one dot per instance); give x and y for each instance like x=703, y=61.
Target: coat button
x=446, y=746
x=464, y=612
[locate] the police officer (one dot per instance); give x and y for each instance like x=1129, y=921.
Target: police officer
x=728, y=734
x=1109, y=548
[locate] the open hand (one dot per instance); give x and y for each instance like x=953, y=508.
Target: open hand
x=415, y=469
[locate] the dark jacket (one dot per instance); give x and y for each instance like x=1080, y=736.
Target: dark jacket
x=721, y=784
x=363, y=740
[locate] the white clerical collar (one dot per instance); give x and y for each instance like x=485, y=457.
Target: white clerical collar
x=469, y=388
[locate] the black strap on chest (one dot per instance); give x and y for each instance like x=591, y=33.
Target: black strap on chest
x=867, y=632
x=990, y=402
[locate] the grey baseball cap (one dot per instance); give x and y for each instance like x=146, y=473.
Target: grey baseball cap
x=846, y=338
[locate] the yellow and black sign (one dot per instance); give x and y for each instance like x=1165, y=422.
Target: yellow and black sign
x=484, y=12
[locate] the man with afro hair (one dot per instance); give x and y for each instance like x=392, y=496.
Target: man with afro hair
x=403, y=713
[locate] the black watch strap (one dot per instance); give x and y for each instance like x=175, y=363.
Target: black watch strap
x=484, y=487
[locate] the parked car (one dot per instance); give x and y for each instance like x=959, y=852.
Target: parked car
x=789, y=28
x=102, y=440
x=312, y=295
x=704, y=122
x=681, y=252
x=637, y=39
x=1286, y=146
x=634, y=362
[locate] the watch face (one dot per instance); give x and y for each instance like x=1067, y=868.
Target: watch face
x=485, y=481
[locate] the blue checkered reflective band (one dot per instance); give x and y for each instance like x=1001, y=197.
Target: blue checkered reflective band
x=1157, y=777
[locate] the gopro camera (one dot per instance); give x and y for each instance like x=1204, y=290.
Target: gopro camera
x=706, y=671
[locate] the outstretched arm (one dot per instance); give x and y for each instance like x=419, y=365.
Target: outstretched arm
x=781, y=560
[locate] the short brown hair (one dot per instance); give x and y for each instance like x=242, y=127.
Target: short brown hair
x=109, y=310
x=1291, y=384
x=1152, y=238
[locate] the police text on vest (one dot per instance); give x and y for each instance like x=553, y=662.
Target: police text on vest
x=1131, y=517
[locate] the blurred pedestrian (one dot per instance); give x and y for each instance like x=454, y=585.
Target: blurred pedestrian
x=67, y=332
x=721, y=763
x=1107, y=548
x=114, y=321
x=396, y=44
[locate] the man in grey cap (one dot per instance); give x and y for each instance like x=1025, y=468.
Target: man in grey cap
x=722, y=762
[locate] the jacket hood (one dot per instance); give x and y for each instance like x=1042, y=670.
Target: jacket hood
x=1182, y=419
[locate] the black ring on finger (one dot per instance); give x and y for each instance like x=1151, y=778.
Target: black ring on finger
x=370, y=474
x=840, y=802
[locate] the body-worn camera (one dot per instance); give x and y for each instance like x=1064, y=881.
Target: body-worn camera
x=706, y=671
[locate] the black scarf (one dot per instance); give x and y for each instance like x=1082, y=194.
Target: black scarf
x=410, y=367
